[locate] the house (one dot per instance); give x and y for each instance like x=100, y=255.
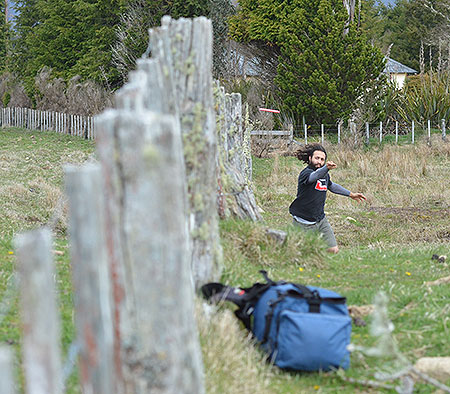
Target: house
x=397, y=72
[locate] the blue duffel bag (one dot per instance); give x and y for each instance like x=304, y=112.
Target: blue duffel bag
x=302, y=328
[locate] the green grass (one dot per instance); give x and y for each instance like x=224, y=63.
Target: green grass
x=32, y=164
x=386, y=244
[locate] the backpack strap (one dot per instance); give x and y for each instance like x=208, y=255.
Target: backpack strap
x=251, y=297
x=269, y=315
x=244, y=298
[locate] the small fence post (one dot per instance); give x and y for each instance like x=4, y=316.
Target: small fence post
x=339, y=132
x=322, y=133
x=396, y=132
x=412, y=131
x=91, y=281
x=381, y=132
x=367, y=133
x=6, y=370
x=429, y=130
x=305, y=126
x=39, y=311
x=443, y=129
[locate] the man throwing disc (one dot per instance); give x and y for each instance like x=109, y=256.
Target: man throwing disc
x=313, y=183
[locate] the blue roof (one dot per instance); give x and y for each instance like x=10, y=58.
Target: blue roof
x=393, y=66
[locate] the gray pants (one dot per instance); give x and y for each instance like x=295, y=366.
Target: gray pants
x=323, y=227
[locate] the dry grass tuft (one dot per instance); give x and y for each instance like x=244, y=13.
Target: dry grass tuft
x=233, y=364
x=250, y=242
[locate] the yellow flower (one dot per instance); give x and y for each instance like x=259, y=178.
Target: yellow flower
x=318, y=275
x=316, y=387
x=391, y=269
x=301, y=269
x=10, y=252
x=408, y=273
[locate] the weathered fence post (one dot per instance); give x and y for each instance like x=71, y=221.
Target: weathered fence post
x=322, y=133
x=412, y=131
x=305, y=128
x=381, y=132
x=91, y=280
x=39, y=313
x=142, y=161
x=429, y=130
x=6, y=370
x=396, y=132
x=184, y=47
x=235, y=194
x=352, y=127
x=339, y=132
x=443, y=129
x=367, y=133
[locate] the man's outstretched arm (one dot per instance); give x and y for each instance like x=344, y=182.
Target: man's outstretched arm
x=338, y=189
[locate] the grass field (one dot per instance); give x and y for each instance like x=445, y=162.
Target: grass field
x=386, y=244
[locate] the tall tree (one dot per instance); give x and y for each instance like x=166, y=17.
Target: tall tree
x=140, y=15
x=403, y=27
x=71, y=37
x=189, y=8
x=326, y=63
x=5, y=35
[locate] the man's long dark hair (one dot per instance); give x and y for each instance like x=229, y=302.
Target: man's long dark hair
x=303, y=154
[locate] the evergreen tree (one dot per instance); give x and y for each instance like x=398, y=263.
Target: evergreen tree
x=4, y=36
x=140, y=15
x=189, y=8
x=404, y=26
x=322, y=71
x=70, y=37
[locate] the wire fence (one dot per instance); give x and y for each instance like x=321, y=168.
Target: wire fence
x=367, y=133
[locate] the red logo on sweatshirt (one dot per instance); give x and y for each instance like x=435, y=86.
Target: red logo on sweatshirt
x=321, y=186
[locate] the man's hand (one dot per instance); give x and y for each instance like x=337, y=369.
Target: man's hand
x=331, y=165
x=358, y=196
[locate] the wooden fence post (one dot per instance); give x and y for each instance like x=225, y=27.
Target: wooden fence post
x=322, y=133
x=146, y=186
x=381, y=132
x=443, y=129
x=184, y=47
x=396, y=132
x=39, y=312
x=412, y=131
x=339, y=131
x=367, y=133
x=91, y=280
x=235, y=195
x=6, y=370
